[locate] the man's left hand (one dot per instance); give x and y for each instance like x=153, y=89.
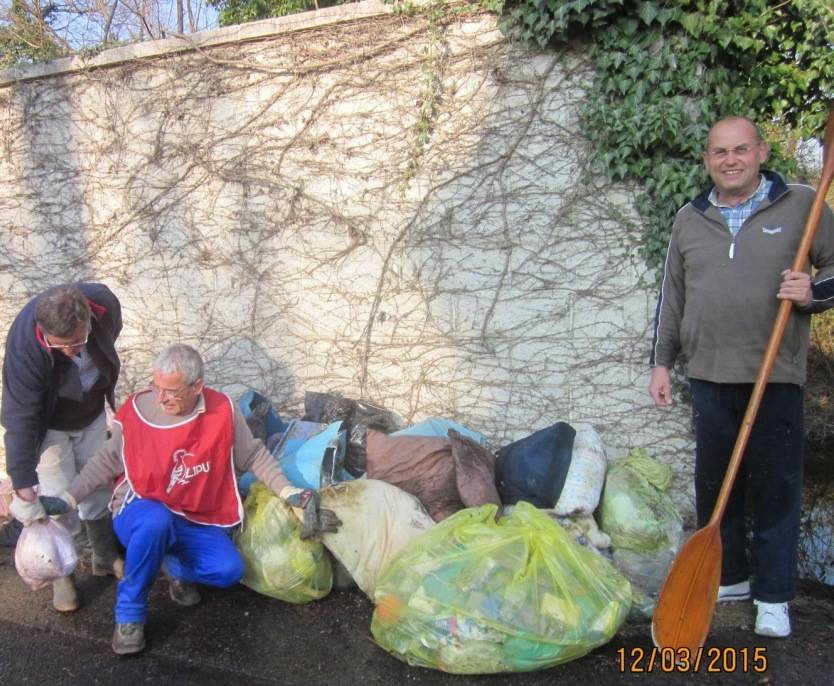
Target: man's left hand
x=796, y=287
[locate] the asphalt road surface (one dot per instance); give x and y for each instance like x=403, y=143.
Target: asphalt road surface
x=239, y=637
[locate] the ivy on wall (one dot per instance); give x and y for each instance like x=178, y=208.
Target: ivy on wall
x=666, y=70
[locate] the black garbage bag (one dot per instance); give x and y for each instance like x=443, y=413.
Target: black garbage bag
x=357, y=416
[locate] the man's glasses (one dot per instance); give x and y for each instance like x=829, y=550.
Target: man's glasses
x=722, y=153
x=172, y=393
x=66, y=346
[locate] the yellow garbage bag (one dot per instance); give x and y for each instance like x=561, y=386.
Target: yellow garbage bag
x=476, y=596
x=278, y=563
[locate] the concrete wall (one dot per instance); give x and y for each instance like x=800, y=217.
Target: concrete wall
x=346, y=200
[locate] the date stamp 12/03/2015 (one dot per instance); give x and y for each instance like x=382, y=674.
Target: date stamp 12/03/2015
x=712, y=660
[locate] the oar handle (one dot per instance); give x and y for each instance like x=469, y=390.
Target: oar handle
x=784, y=314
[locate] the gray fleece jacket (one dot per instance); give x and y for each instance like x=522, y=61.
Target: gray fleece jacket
x=716, y=312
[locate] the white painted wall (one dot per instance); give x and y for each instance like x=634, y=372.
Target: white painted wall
x=253, y=198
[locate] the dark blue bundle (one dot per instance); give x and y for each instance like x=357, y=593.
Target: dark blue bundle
x=534, y=468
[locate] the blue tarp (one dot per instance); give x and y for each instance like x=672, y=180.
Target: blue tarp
x=440, y=428
x=302, y=451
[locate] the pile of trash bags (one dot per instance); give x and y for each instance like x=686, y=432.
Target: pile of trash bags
x=478, y=561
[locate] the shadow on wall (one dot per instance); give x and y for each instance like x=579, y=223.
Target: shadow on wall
x=46, y=217
x=245, y=364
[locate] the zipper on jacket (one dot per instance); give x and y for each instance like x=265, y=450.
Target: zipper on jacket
x=761, y=206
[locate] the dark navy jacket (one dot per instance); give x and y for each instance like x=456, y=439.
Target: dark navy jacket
x=34, y=376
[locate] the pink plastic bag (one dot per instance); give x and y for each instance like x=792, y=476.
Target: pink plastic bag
x=45, y=551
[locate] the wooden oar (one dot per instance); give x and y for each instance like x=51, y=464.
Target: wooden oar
x=687, y=600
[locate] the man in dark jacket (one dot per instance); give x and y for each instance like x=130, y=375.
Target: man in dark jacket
x=60, y=368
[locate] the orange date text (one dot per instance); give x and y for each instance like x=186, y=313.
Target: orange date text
x=712, y=660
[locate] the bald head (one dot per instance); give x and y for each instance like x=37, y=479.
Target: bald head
x=739, y=123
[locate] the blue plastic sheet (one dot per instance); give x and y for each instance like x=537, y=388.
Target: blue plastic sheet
x=303, y=450
x=440, y=428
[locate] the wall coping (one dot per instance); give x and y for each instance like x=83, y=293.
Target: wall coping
x=238, y=33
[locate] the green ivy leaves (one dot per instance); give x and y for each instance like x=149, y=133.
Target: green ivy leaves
x=667, y=69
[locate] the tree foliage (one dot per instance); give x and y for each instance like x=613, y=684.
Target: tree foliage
x=26, y=34
x=242, y=11
x=39, y=30
x=666, y=70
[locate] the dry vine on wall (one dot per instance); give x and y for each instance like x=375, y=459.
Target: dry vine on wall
x=392, y=208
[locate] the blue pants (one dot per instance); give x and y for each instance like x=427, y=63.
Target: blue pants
x=196, y=553
x=770, y=477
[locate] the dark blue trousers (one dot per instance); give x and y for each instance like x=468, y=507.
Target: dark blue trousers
x=151, y=534
x=770, y=478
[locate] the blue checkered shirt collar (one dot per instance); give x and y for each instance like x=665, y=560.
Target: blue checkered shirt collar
x=736, y=216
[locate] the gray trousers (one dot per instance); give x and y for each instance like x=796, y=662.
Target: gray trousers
x=63, y=456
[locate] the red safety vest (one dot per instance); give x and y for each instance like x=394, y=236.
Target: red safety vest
x=188, y=467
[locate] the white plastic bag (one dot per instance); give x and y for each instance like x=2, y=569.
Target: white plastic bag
x=45, y=551
x=378, y=519
x=585, y=477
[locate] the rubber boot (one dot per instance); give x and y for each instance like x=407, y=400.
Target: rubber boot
x=107, y=561
x=64, y=597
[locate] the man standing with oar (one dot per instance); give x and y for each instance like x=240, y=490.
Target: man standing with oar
x=725, y=274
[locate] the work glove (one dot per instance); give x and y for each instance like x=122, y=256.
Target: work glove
x=28, y=511
x=306, y=504
x=55, y=506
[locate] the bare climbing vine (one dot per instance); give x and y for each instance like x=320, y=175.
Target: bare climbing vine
x=394, y=208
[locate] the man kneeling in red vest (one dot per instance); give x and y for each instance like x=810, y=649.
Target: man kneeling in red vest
x=173, y=455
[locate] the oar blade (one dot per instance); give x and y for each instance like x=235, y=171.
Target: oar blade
x=687, y=600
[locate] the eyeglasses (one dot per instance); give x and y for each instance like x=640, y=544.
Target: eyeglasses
x=738, y=151
x=66, y=346
x=172, y=393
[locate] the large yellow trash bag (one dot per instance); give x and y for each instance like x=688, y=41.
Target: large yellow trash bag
x=277, y=562
x=476, y=596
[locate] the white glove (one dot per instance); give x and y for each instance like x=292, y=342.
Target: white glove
x=27, y=511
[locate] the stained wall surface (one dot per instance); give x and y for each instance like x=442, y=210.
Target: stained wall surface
x=394, y=208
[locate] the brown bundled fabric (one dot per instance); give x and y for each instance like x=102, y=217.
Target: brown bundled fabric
x=445, y=474
x=475, y=471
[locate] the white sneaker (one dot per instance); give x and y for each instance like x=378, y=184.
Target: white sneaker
x=739, y=591
x=772, y=619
